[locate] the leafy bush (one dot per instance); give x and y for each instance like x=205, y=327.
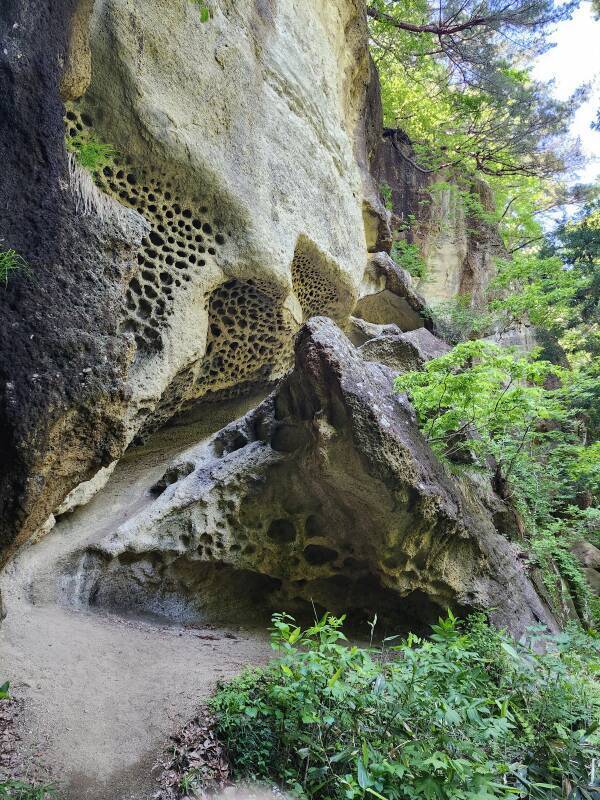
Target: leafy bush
x=408, y=256
x=457, y=321
x=486, y=399
x=466, y=715
x=479, y=385
x=385, y=190
x=10, y=262
x=18, y=790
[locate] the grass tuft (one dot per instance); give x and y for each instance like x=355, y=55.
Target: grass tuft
x=91, y=153
x=10, y=262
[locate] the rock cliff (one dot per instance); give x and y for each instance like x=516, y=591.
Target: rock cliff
x=229, y=201
x=445, y=219
x=229, y=209
x=326, y=492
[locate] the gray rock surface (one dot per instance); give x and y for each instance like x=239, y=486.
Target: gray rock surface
x=388, y=297
x=232, y=211
x=589, y=557
x=403, y=352
x=326, y=492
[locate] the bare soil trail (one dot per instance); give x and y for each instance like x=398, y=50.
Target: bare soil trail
x=102, y=692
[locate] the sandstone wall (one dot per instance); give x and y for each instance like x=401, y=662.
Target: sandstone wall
x=230, y=211
x=458, y=246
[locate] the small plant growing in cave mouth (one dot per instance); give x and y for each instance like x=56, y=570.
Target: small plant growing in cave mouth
x=11, y=262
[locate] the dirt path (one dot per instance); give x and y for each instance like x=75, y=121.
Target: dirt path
x=102, y=693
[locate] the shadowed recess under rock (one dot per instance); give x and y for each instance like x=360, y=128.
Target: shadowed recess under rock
x=325, y=493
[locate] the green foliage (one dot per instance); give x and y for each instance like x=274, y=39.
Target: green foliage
x=457, y=320
x=497, y=131
x=537, y=289
x=465, y=715
x=550, y=548
x=19, y=790
x=203, y=10
x=531, y=440
x=408, y=256
x=385, y=191
x=90, y=152
x=468, y=198
x=11, y=262
x=481, y=386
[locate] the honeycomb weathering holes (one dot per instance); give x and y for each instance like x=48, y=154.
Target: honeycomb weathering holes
x=248, y=340
x=247, y=332
x=249, y=336
x=179, y=244
x=317, y=293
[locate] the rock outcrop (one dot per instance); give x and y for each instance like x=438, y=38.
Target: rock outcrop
x=589, y=557
x=403, y=352
x=326, y=492
x=229, y=209
x=62, y=364
x=448, y=221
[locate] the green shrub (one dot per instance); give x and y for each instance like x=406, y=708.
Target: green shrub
x=465, y=715
x=408, y=256
x=457, y=321
x=385, y=190
x=11, y=262
x=18, y=790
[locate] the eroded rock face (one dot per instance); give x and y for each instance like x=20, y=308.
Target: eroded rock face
x=403, y=352
x=241, y=140
x=231, y=211
x=325, y=492
x=62, y=365
x=459, y=246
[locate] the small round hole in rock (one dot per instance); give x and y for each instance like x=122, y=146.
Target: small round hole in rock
x=317, y=554
x=282, y=530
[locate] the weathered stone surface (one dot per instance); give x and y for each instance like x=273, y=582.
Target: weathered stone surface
x=404, y=352
x=234, y=135
x=458, y=247
x=388, y=297
x=62, y=364
x=243, y=154
x=326, y=491
x=587, y=554
x=77, y=71
x=589, y=558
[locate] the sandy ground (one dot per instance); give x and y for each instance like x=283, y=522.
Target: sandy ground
x=102, y=693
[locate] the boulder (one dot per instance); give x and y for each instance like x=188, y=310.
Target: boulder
x=587, y=554
x=326, y=493
x=589, y=557
x=403, y=352
x=387, y=296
